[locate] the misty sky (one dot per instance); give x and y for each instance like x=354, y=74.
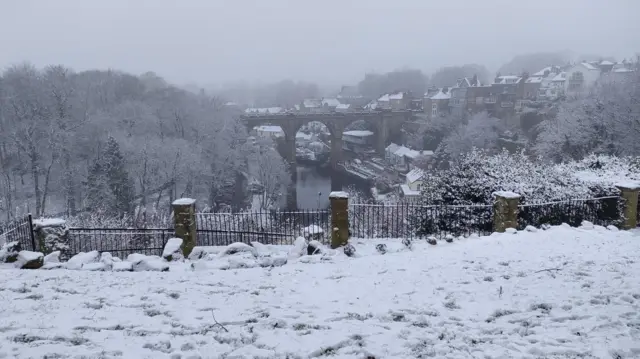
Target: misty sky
x=328, y=41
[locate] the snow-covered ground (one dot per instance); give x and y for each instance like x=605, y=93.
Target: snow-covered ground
x=560, y=293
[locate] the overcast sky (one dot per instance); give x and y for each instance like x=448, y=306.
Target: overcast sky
x=328, y=41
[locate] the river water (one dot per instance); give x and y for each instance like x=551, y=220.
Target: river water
x=313, y=186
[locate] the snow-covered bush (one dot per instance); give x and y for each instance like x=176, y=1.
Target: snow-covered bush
x=470, y=183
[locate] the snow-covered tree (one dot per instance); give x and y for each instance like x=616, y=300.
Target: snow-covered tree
x=481, y=131
x=271, y=171
x=604, y=121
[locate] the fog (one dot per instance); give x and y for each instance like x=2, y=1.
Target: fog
x=329, y=42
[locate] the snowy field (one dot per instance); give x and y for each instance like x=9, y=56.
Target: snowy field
x=560, y=293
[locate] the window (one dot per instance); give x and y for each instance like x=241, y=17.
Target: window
x=434, y=109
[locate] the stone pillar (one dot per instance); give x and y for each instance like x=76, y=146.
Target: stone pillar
x=336, y=151
x=290, y=150
x=629, y=192
x=339, y=218
x=505, y=211
x=382, y=133
x=184, y=217
x=52, y=235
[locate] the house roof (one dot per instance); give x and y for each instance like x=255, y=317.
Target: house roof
x=441, y=95
x=542, y=72
x=384, y=98
x=414, y=175
x=507, y=79
x=408, y=192
x=606, y=63
x=413, y=154
x=392, y=147
x=560, y=77
x=331, y=102
x=534, y=80
x=264, y=110
x=268, y=128
x=622, y=70
x=358, y=133
x=589, y=66
x=311, y=102
x=343, y=106
x=396, y=96
x=468, y=82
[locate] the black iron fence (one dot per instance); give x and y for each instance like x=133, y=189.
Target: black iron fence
x=267, y=227
x=19, y=230
x=602, y=211
x=120, y=242
x=410, y=220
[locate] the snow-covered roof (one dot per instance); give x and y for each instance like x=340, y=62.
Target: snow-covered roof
x=392, y=147
x=468, y=82
x=414, y=175
x=396, y=96
x=371, y=105
x=413, y=154
x=331, y=102
x=264, y=110
x=560, y=77
x=311, y=103
x=269, y=128
x=606, y=63
x=343, y=106
x=507, y=79
x=358, y=133
x=543, y=71
x=441, y=95
x=384, y=98
x=589, y=66
x=401, y=151
x=534, y=80
x=623, y=70
x=408, y=192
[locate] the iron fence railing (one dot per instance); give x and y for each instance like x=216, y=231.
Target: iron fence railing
x=120, y=242
x=267, y=227
x=20, y=230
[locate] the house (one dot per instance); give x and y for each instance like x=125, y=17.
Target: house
x=413, y=184
x=581, y=77
x=330, y=103
x=402, y=157
x=461, y=93
x=357, y=140
x=269, y=131
x=311, y=105
x=351, y=95
x=265, y=110
x=436, y=104
x=400, y=100
x=343, y=107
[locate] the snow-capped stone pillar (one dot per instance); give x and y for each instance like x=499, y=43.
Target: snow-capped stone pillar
x=184, y=216
x=629, y=192
x=339, y=218
x=52, y=235
x=505, y=210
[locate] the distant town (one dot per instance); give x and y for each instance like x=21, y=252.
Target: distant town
x=398, y=169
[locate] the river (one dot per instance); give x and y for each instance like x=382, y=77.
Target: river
x=313, y=186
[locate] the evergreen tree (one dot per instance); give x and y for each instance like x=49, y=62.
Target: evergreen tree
x=99, y=197
x=109, y=187
x=117, y=178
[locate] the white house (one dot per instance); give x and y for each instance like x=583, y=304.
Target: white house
x=358, y=137
x=264, y=110
x=413, y=184
x=580, y=77
x=269, y=131
x=402, y=157
x=330, y=102
x=343, y=107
